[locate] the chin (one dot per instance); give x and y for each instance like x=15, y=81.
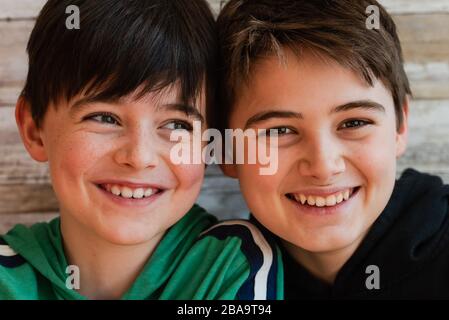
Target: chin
x=320, y=243
x=125, y=235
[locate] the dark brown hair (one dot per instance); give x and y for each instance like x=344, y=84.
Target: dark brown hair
x=121, y=46
x=251, y=29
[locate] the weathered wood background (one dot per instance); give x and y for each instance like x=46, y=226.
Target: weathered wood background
x=25, y=192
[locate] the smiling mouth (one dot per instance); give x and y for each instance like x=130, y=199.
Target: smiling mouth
x=129, y=193
x=323, y=201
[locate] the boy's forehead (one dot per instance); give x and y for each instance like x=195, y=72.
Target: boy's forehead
x=307, y=80
x=304, y=63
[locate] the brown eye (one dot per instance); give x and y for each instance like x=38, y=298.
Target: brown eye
x=178, y=125
x=280, y=131
x=354, y=124
x=103, y=118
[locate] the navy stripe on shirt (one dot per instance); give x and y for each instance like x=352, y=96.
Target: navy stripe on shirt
x=10, y=261
x=256, y=255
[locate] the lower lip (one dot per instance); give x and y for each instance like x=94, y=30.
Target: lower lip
x=326, y=211
x=131, y=202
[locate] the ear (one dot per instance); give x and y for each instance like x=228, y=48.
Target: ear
x=229, y=170
x=402, y=132
x=29, y=131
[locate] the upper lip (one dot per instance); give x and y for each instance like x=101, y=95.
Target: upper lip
x=131, y=184
x=323, y=192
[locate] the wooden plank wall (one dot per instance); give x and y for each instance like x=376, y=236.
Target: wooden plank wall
x=26, y=195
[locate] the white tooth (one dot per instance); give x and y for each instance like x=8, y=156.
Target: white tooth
x=346, y=195
x=138, y=193
x=302, y=198
x=320, y=202
x=126, y=192
x=115, y=190
x=331, y=200
x=298, y=198
x=339, y=197
x=311, y=200
x=148, y=192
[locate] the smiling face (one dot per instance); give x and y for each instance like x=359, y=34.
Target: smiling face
x=110, y=164
x=338, y=145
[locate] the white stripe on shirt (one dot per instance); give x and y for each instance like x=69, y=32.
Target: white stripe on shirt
x=6, y=251
x=261, y=278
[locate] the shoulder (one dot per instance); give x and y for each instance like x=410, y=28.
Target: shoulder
x=252, y=249
x=17, y=276
x=250, y=238
x=8, y=257
x=230, y=260
x=195, y=220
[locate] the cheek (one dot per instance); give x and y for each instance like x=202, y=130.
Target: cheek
x=262, y=189
x=249, y=177
x=188, y=176
x=76, y=155
x=375, y=162
x=376, y=155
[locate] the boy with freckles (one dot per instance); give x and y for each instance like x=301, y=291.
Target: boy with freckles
x=99, y=105
x=337, y=95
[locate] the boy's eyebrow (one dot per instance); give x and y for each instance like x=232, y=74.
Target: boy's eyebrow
x=359, y=104
x=187, y=109
x=265, y=115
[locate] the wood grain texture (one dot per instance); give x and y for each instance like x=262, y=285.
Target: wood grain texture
x=20, y=9
x=13, y=59
x=429, y=80
x=8, y=220
x=27, y=198
x=415, y=6
x=424, y=37
x=423, y=28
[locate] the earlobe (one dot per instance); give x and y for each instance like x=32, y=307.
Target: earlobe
x=402, y=132
x=29, y=131
x=229, y=170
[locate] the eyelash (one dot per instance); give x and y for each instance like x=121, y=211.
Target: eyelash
x=362, y=123
x=279, y=128
x=102, y=114
x=187, y=126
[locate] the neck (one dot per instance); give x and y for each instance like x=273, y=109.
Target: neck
x=323, y=265
x=107, y=270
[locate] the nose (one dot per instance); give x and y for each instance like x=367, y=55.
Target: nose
x=138, y=151
x=322, y=159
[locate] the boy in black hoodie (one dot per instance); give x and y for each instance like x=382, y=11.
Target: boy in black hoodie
x=327, y=78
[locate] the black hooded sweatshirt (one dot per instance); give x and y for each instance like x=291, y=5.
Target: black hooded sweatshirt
x=407, y=249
